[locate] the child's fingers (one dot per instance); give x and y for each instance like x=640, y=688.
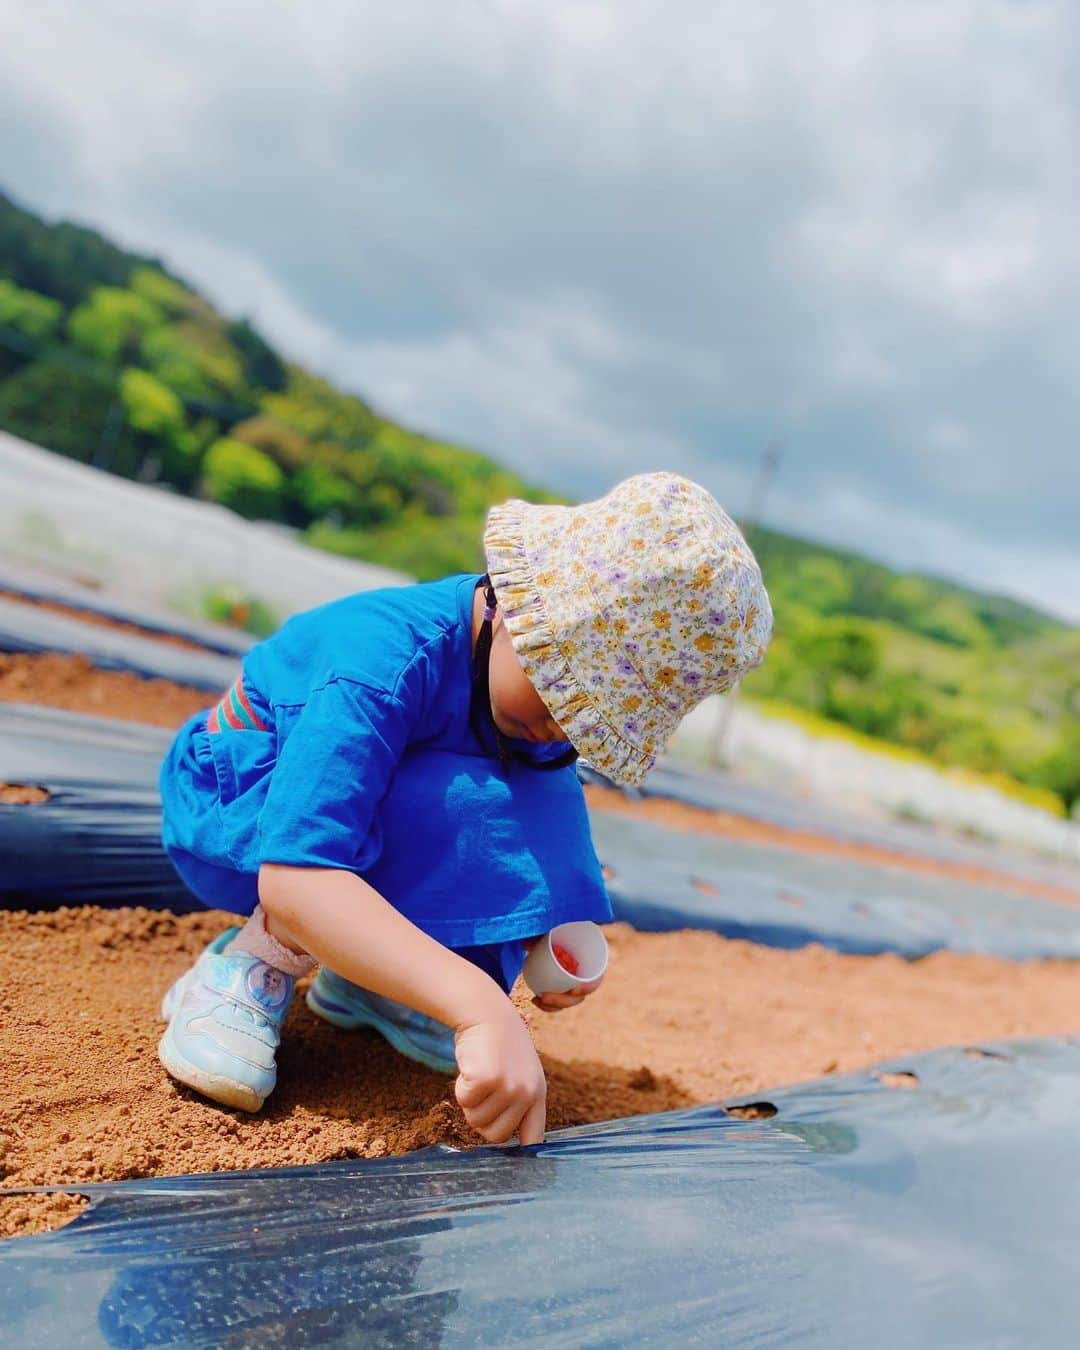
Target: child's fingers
x=556, y=1002
x=470, y=1092
x=484, y=1112
x=531, y=1127
x=571, y=999
x=504, y=1126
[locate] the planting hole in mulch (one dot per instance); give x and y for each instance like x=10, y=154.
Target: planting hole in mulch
x=753, y=1111
x=22, y=794
x=903, y=1079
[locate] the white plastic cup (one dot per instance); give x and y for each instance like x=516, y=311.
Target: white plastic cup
x=586, y=944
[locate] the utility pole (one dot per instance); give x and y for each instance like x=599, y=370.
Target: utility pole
x=770, y=462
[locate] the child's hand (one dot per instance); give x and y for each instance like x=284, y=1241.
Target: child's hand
x=571, y=999
x=501, y=1087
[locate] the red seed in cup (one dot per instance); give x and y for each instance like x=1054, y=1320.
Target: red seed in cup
x=567, y=960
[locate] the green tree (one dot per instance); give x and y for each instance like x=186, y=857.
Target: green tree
x=63, y=261
x=262, y=367
x=243, y=479
x=320, y=493
x=821, y=582
x=416, y=544
x=951, y=620
x=194, y=357
x=840, y=646
x=110, y=324
x=1059, y=768
x=61, y=407
x=168, y=295
x=151, y=406
x=34, y=316
x=290, y=449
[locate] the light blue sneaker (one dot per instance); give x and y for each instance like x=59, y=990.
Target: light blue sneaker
x=225, y=1018
x=344, y=1004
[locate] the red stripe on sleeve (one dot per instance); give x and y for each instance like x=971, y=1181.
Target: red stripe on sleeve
x=212, y=723
x=230, y=717
x=239, y=687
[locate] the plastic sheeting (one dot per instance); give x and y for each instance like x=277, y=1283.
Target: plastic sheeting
x=720, y=790
x=661, y=880
x=96, y=840
x=97, y=837
x=214, y=637
x=860, y=1214
x=29, y=628
x=155, y=547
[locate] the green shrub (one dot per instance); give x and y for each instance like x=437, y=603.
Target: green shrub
x=288, y=448
x=230, y=605
x=195, y=358
x=422, y=547
x=151, y=406
x=243, y=479
x=111, y=323
x=262, y=367
x=320, y=493
x=34, y=316
x=58, y=406
x=168, y=295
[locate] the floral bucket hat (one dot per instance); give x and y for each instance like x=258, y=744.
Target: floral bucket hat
x=626, y=612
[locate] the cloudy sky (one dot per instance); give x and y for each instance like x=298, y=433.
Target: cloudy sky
x=597, y=238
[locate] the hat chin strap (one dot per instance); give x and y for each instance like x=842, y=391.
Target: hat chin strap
x=481, y=718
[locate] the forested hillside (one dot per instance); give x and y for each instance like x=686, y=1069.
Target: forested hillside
x=106, y=357
x=111, y=359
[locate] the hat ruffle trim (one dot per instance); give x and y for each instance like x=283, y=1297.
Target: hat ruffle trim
x=537, y=645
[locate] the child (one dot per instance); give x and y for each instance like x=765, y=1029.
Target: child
x=387, y=790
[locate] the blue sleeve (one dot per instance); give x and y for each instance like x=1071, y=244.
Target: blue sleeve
x=333, y=770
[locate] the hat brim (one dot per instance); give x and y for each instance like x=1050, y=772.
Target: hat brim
x=538, y=648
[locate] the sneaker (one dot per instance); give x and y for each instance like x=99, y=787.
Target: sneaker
x=346, y=1005
x=225, y=1018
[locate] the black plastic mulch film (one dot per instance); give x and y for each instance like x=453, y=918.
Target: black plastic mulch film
x=849, y=1211
x=859, y=1214
x=96, y=840
x=214, y=637
x=33, y=628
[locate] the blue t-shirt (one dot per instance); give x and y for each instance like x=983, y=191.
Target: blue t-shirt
x=349, y=745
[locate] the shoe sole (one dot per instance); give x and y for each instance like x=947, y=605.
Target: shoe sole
x=225, y=1091
x=397, y=1038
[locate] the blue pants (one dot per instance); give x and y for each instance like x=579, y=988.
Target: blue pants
x=238, y=892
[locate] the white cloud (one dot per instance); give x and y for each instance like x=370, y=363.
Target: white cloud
x=591, y=238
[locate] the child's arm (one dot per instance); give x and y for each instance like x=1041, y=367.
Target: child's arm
x=342, y=921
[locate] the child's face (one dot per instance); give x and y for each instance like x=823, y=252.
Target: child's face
x=517, y=708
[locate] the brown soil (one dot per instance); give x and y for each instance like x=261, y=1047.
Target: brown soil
x=71, y=682
x=83, y=1097
x=102, y=620
x=701, y=820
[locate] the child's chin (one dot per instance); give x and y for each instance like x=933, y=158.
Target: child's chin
x=512, y=733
